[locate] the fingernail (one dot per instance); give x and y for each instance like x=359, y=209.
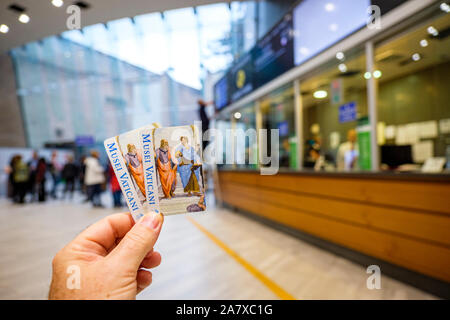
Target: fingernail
x=152, y=220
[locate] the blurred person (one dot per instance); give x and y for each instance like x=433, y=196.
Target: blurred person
x=20, y=177
x=314, y=158
x=69, y=174
x=8, y=170
x=115, y=187
x=94, y=178
x=285, y=154
x=347, y=155
x=111, y=255
x=82, y=167
x=32, y=165
x=55, y=172
x=40, y=179
x=203, y=118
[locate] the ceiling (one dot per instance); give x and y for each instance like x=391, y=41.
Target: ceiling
x=47, y=20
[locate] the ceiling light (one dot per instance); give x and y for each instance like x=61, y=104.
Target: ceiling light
x=343, y=68
x=377, y=74
x=340, y=56
x=433, y=31
x=237, y=115
x=445, y=7
x=424, y=43
x=57, y=3
x=4, y=28
x=416, y=57
x=304, y=51
x=329, y=7
x=367, y=75
x=320, y=94
x=333, y=27
x=24, y=18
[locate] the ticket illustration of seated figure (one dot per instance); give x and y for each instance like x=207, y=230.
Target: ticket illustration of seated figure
x=159, y=169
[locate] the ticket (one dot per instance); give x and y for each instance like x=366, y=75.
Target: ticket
x=159, y=169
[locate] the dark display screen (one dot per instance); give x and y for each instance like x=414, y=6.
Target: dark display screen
x=273, y=54
x=310, y=28
x=222, y=93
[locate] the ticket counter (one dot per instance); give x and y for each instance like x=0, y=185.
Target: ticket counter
x=403, y=219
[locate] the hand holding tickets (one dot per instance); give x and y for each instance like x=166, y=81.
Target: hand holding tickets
x=159, y=169
x=105, y=261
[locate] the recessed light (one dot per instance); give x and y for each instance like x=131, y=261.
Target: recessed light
x=57, y=3
x=333, y=27
x=343, y=68
x=433, y=31
x=340, y=56
x=237, y=115
x=377, y=74
x=320, y=94
x=4, y=28
x=416, y=57
x=445, y=7
x=24, y=18
x=424, y=43
x=330, y=7
x=367, y=75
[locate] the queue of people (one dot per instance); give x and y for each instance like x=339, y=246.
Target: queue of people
x=27, y=180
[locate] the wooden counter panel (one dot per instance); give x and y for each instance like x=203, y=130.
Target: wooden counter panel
x=412, y=195
x=423, y=226
x=375, y=224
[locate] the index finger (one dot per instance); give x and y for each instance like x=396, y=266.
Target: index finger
x=101, y=237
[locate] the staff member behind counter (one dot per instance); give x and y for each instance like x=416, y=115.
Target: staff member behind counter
x=348, y=153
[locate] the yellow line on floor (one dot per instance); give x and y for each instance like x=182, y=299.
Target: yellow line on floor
x=276, y=289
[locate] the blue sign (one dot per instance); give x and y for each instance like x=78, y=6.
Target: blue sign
x=284, y=128
x=84, y=141
x=347, y=112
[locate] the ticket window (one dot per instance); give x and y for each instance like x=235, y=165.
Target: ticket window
x=334, y=101
x=413, y=96
x=223, y=125
x=277, y=112
x=246, y=144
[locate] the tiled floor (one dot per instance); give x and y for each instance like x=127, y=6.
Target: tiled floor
x=193, y=266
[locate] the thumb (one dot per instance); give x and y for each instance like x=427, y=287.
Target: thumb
x=133, y=248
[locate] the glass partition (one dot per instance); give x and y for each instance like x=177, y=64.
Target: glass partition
x=246, y=147
x=277, y=112
x=413, y=96
x=334, y=101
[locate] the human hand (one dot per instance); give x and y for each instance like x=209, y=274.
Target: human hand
x=109, y=255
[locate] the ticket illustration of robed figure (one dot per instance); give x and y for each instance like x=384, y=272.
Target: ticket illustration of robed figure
x=159, y=169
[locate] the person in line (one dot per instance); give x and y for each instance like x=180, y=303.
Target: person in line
x=188, y=166
x=69, y=174
x=81, y=175
x=94, y=178
x=115, y=187
x=8, y=170
x=20, y=177
x=40, y=179
x=55, y=172
x=167, y=172
x=32, y=165
x=111, y=255
x=347, y=155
